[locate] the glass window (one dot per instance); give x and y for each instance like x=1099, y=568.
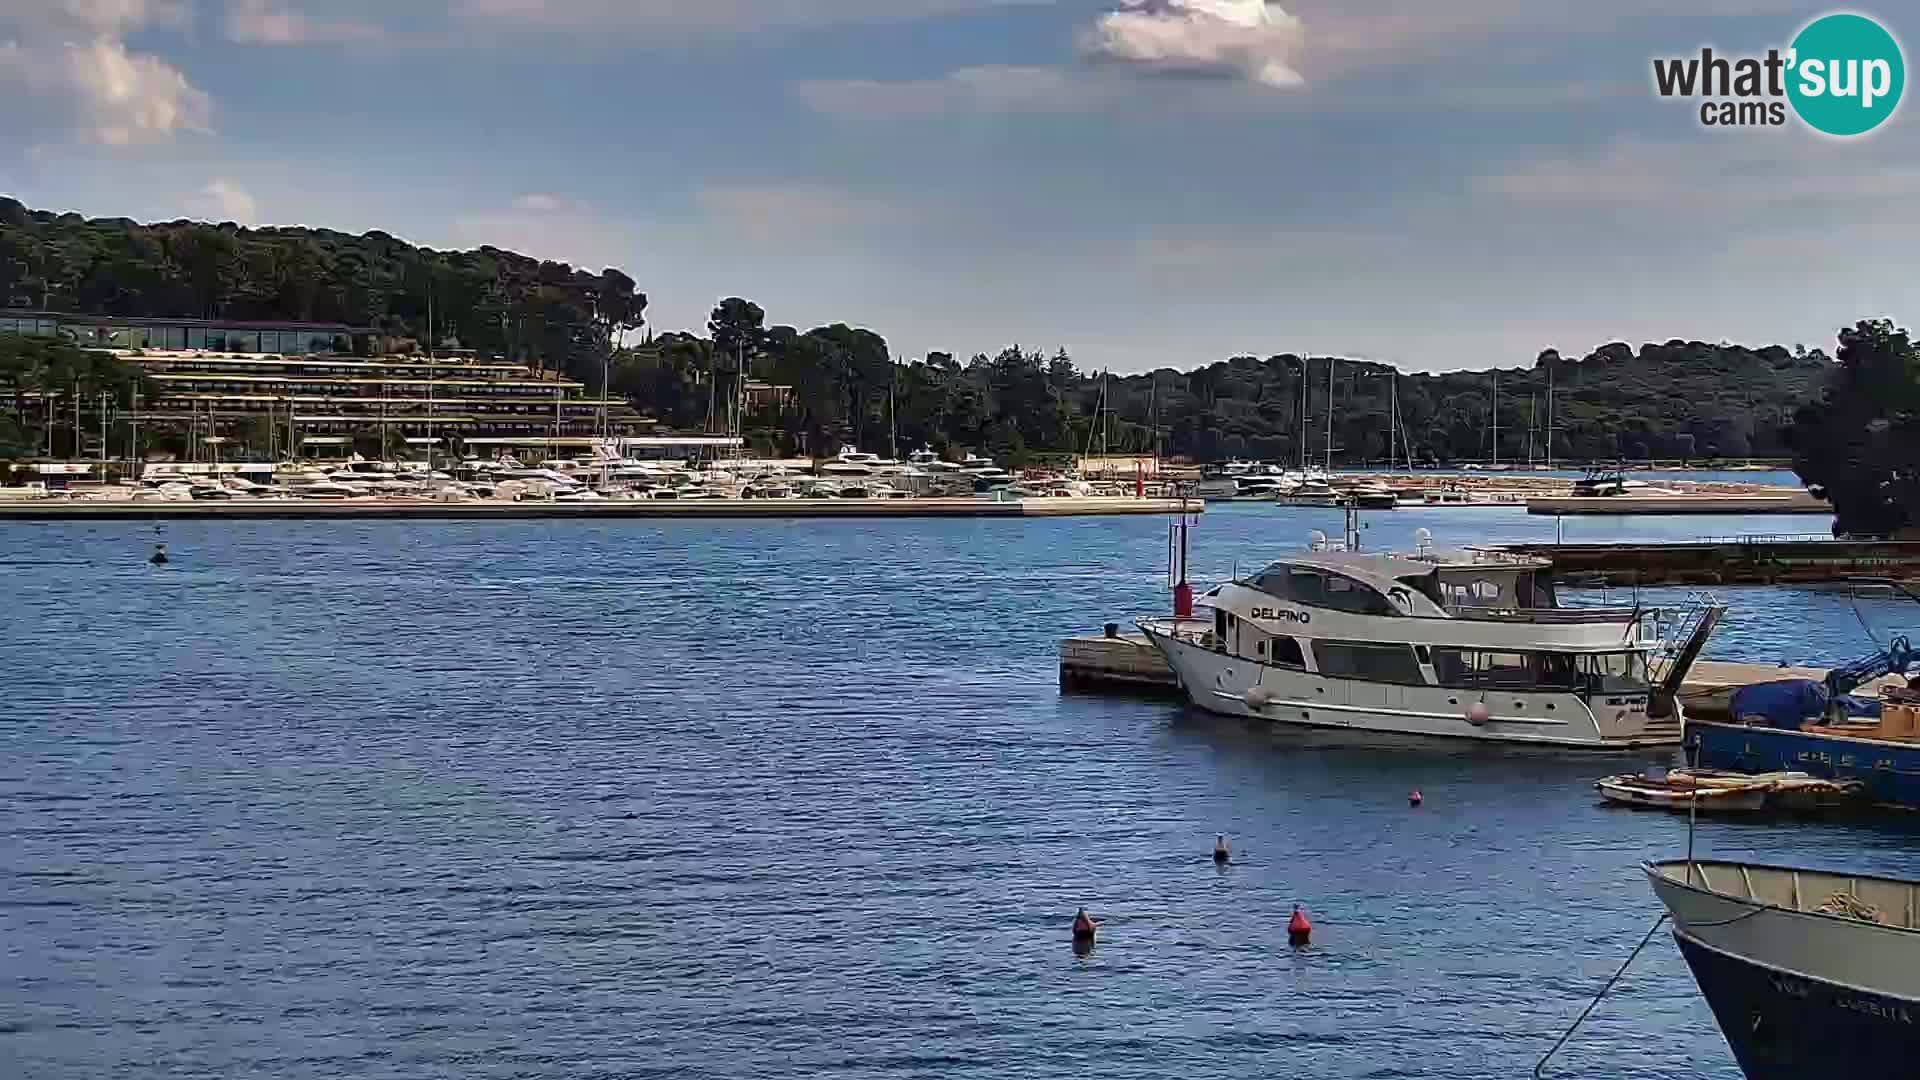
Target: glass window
x=1286, y=653
x=1373, y=661
x=1305, y=586
x=1615, y=673
x=196, y=338
x=1346, y=594
x=1474, y=667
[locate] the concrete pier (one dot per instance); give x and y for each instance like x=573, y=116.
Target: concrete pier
x=488, y=510
x=1787, y=502
x=1751, y=560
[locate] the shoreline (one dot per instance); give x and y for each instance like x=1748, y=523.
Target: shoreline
x=483, y=510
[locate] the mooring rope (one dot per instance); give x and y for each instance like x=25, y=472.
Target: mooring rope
x=1591, y=1005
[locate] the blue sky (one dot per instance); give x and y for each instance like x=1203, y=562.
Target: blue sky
x=1428, y=183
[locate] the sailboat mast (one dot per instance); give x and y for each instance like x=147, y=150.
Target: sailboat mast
x=1330, y=363
x=1496, y=418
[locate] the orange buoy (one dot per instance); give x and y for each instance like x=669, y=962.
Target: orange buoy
x=1414, y=798
x=1299, y=928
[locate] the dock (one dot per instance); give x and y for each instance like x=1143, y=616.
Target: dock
x=1746, y=560
x=1127, y=663
x=245, y=509
x=1787, y=502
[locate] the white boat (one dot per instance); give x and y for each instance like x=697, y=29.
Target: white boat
x=1810, y=973
x=1467, y=644
x=1310, y=492
x=327, y=489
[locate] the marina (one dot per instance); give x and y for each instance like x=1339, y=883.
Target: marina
x=669, y=509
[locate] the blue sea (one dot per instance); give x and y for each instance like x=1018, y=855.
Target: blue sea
x=787, y=798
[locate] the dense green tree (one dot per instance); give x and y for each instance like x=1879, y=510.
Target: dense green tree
x=1859, y=444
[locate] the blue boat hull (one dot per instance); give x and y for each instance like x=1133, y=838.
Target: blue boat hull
x=1785, y=1026
x=1890, y=771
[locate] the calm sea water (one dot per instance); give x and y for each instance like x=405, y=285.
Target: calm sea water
x=546, y=800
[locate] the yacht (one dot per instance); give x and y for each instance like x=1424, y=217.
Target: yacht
x=1373, y=495
x=1310, y=492
x=1463, y=644
x=1809, y=972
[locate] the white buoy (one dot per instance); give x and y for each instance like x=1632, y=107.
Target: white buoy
x=1257, y=697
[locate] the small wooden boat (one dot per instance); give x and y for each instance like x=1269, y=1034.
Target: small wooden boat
x=1716, y=790
x=1668, y=793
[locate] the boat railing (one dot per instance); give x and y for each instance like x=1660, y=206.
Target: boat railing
x=1559, y=616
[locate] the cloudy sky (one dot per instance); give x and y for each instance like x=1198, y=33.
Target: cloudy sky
x=1431, y=183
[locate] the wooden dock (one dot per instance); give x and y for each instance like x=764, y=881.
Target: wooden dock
x=1127, y=663
x=487, y=510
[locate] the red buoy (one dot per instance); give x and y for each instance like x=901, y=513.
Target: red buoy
x=1084, y=927
x=1414, y=798
x=1299, y=928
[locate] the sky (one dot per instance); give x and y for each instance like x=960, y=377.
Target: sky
x=1434, y=184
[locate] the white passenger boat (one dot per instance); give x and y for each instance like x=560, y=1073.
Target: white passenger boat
x=1810, y=973
x=1465, y=644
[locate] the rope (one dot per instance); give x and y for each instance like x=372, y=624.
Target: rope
x=1849, y=906
x=1591, y=1005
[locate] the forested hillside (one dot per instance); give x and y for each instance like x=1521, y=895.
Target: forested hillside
x=1677, y=399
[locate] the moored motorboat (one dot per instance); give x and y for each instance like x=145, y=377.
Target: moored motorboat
x=1462, y=644
x=1810, y=973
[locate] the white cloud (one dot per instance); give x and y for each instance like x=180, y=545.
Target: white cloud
x=539, y=202
x=260, y=22
x=224, y=200
x=986, y=88
x=785, y=211
x=1711, y=177
x=604, y=16
x=70, y=58
x=1246, y=38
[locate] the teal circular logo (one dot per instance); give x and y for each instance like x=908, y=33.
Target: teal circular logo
x=1847, y=74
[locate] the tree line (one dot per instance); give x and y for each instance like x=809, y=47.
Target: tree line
x=843, y=385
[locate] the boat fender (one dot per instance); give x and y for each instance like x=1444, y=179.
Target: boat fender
x=1257, y=697
x=1478, y=714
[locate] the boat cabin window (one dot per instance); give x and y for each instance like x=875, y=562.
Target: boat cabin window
x=1589, y=673
x=1346, y=594
x=1369, y=660
x=1614, y=673
x=1475, y=667
x=1324, y=589
x=1286, y=653
x=1220, y=623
